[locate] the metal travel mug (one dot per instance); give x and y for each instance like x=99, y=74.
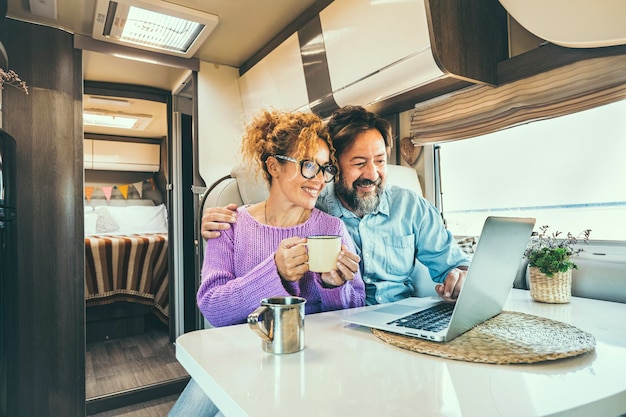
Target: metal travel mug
x=279, y=322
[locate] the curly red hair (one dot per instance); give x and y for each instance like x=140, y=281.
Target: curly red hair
x=295, y=134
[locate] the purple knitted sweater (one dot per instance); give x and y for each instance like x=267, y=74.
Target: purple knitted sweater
x=239, y=270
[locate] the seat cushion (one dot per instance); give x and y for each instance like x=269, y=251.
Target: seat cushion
x=252, y=186
x=405, y=177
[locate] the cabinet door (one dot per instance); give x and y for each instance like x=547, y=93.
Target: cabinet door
x=125, y=156
x=276, y=81
x=363, y=37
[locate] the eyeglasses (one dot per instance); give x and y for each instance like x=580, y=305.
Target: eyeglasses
x=309, y=169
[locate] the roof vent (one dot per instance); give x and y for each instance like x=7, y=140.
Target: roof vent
x=154, y=26
x=118, y=120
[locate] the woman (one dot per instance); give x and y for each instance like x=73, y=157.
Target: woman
x=263, y=255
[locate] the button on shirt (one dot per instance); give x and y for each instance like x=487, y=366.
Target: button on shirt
x=405, y=228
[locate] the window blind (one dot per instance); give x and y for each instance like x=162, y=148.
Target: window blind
x=479, y=110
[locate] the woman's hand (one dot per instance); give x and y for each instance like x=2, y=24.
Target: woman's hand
x=347, y=267
x=291, y=259
x=215, y=219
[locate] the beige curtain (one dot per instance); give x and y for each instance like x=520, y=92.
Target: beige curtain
x=481, y=109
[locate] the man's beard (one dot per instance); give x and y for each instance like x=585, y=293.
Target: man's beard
x=359, y=205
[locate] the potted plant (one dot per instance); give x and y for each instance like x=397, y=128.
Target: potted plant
x=11, y=78
x=550, y=264
x=8, y=77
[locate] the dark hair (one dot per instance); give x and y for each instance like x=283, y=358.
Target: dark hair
x=347, y=122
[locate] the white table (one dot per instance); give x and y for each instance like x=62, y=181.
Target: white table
x=345, y=370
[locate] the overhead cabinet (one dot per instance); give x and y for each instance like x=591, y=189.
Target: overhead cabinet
x=369, y=51
x=109, y=155
x=376, y=49
x=276, y=81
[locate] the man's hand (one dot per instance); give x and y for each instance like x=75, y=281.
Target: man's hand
x=451, y=286
x=347, y=267
x=215, y=219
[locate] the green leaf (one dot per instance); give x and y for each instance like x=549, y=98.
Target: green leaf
x=550, y=253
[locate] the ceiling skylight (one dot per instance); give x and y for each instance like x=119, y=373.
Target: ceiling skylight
x=152, y=25
x=116, y=120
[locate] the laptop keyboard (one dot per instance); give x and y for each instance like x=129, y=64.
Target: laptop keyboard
x=432, y=319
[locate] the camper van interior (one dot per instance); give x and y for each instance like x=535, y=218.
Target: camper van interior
x=498, y=107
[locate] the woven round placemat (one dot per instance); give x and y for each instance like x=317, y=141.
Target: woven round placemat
x=510, y=337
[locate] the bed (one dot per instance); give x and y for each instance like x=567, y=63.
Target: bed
x=126, y=254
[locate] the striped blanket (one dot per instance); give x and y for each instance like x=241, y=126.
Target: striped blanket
x=130, y=268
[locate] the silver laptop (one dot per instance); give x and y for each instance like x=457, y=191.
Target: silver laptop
x=487, y=285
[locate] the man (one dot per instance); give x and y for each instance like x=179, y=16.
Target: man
x=392, y=227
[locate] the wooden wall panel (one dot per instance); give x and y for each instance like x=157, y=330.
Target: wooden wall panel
x=47, y=125
x=468, y=38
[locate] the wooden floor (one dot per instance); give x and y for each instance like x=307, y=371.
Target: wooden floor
x=121, y=364
x=155, y=408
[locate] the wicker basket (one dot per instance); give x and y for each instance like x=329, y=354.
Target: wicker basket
x=554, y=289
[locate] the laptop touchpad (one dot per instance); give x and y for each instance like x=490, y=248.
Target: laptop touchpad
x=395, y=309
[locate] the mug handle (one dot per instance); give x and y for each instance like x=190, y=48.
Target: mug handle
x=259, y=326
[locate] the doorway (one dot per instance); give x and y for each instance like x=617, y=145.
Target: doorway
x=130, y=357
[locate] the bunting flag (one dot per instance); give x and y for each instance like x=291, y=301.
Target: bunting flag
x=139, y=187
x=89, y=192
x=124, y=190
x=107, y=192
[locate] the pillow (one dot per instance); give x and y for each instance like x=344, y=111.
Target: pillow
x=91, y=219
x=139, y=219
x=468, y=244
x=105, y=222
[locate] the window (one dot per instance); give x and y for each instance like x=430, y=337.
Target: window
x=567, y=172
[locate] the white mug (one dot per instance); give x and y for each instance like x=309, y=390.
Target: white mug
x=323, y=251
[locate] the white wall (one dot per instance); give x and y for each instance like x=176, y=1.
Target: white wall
x=220, y=120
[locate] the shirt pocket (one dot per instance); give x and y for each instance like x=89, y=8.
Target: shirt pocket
x=400, y=254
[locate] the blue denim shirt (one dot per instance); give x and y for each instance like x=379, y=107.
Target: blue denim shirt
x=405, y=228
